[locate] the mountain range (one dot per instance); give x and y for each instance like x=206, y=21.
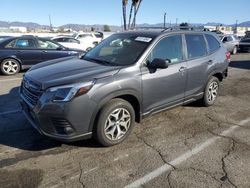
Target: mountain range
x=77, y=27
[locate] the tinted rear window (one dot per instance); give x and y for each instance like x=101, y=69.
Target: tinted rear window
x=213, y=43
x=196, y=45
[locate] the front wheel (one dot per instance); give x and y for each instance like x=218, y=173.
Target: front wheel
x=211, y=91
x=115, y=122
x=10, y=67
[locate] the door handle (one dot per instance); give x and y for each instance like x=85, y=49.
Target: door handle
x=210, y=62
x=182, y=69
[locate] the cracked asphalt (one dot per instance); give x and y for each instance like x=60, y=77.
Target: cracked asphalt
x=196, y=146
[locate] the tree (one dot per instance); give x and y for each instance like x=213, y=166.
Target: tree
x=135, y=5
x=184, y=24
x=124, y=6
x=106, y=28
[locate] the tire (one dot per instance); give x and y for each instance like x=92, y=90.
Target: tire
x=10, y=66
x=211, y=91
x=117, y=115
x=234, y=50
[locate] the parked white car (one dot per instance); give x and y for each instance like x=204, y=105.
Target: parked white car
x=71, y=42
x=89, y=39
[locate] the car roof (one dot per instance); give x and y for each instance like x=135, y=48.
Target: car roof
x=155, y=33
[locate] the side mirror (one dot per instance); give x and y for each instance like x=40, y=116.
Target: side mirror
x=159, y=64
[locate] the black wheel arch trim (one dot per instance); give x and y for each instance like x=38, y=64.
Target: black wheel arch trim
x=116, y=94
x=12, y=57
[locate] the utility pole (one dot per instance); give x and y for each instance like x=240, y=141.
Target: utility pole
x=165, y=14
x=50, y=24
x=236, y=27
x=176, y=22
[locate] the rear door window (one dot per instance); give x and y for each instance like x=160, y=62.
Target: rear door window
x=25, y=43
x=213, y=43
x=196, y=46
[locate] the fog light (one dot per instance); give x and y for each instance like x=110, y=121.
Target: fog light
x=68, y=130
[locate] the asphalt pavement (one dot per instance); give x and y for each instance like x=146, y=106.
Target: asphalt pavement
x=189, y=146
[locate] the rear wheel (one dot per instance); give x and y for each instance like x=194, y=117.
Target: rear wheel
x=234, y=50
x=10, y=66
x=115, y=122
x=211, y=91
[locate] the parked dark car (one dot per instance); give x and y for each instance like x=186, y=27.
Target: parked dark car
x=244, y=45
x=17, y=53
x=4, y=37
x=126, y=77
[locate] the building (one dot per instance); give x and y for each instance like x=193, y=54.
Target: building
x=18, y=29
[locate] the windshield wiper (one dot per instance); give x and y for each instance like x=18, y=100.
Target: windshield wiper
x=97, y=60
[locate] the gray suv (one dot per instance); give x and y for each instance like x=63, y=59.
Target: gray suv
x=126, y=77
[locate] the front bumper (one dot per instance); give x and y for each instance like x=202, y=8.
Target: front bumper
x=65, y=122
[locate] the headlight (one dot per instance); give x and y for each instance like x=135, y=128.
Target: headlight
x=67, y=92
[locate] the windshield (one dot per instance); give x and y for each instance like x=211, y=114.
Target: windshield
x=119, y=49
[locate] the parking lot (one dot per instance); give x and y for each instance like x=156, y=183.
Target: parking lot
x=189, y=146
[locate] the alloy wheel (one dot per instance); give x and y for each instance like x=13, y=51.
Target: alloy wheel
x=10, y=67
x=117, y=124
x=212, y=91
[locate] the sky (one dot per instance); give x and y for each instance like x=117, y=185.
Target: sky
x=110, y=11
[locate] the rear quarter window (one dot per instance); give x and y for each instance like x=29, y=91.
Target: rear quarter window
x=213, y=44
x=11, y=44
x=196, y=45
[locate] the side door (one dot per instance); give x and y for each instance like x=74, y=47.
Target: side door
x=198, y=63
x=27, y=52
x=164, y=87
x=51, y=50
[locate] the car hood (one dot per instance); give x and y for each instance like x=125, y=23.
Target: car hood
x=67, y=71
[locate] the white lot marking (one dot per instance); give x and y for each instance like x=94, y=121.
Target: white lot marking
x=10, y=112
x=12, y=79
x=164, y=168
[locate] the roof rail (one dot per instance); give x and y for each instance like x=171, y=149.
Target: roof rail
x=192, y=28
x=164, y=29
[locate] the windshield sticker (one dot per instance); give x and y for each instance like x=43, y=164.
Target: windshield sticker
x=143, y=39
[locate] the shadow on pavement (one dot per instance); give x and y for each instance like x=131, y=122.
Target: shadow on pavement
x=10, y=101
x=240, y=64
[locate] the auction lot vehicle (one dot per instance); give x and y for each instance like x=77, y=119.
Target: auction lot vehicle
x=17, y=53
x=90, y=40
x=244, y=45
x=231, y=43
x=127, y=77
x=69, y=42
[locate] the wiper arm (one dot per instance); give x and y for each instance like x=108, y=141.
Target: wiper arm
x=97, y=60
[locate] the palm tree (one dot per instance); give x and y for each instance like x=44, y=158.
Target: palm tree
x=130, y=13
x=137, y=4
x=124, y=5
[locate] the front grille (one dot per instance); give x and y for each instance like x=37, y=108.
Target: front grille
x=30, y=91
